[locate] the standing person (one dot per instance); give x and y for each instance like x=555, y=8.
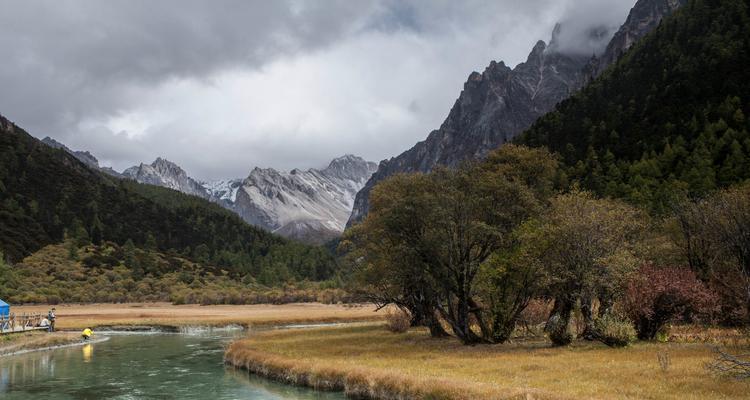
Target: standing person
x=51, y=318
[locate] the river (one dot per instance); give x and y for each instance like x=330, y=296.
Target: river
x=140, y=366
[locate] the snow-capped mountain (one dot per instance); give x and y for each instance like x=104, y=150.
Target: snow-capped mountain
x=311, y=205
x=223, y=191
x=166, y=174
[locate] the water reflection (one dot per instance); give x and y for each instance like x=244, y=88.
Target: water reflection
x=88, y=351
x=139, y=367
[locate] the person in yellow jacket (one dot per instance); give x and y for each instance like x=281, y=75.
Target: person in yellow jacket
x=86, y=334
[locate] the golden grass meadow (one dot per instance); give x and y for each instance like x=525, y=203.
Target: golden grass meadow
x=73, y=317
x=368, y=361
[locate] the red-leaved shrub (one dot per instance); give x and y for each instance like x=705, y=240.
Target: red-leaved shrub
x=656, y=296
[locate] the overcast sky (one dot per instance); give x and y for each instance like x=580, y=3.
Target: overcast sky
x=222, y=86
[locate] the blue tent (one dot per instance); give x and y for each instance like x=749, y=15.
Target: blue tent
x=4, y=309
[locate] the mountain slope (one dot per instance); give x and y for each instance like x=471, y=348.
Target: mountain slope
x=500, y=103
x=669, y=119
x=645, y=16
x=311, y=206
x=166, y=174
x=83, y=156
x=45, y=192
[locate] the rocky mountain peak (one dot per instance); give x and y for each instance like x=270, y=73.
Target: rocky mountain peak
x=82, y=156
x=500, y=103
x=555, y=40
x=165, y=173
x=350, y=167
x=311, y=205
x=644, y=17
x=166, y=166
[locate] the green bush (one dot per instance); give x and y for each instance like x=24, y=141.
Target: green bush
x=615, y=331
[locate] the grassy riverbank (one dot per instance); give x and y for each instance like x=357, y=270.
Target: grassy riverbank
x=16, y=342
x=368, y=361
x=74, y=317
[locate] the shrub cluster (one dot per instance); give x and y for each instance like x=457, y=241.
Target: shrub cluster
x=116, y=274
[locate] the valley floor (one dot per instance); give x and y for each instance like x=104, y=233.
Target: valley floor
x=369, y=362
x=75, y=317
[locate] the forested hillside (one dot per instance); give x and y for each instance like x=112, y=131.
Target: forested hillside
x=664, y=129
x=669, y=119
x=46, y=194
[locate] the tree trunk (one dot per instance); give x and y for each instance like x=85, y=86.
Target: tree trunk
x=436, y=328
x=476, y=311
x=462, y=331
x=557, y=324
x=647, y=328
x=606, y=302
x=588, y=318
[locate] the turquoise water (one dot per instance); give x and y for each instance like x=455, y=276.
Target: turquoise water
x=140, y=366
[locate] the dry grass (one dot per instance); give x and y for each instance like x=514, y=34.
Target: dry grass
x=165, y=314
x=371, y=362
x=34, y=340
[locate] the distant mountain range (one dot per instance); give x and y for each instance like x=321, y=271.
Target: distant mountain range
x=494, y=107
x=48, y=196
x=311, y=206
x=500, y=103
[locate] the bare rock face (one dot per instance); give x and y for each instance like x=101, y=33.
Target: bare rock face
x=492, y=109
x=500, y=103
x=82, y=156
x=312, y=206
x=643, y=18
x=166, y=174
x=6, y=125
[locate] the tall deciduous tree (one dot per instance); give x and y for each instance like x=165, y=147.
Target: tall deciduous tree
x=385, y=250
x=586, y=247
x=442, y=227
x=714, y=234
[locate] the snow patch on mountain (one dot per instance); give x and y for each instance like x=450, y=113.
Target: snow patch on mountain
x=315, y=203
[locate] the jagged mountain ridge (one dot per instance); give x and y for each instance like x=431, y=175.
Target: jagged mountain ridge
x=500, y=103
x=167, y=174
x=643, y=18
x=312, y=206
x=83, y=156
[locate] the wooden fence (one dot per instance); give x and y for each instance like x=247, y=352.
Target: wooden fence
x=21, y=323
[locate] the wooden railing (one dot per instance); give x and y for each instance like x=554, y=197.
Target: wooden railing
x=20, y=323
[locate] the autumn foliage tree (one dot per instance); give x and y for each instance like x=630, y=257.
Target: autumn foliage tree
x=656, y=296
x=586, y=247
x=427, y=237
x=714, y=235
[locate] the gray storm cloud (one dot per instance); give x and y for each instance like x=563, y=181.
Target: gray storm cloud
x=222, y=86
